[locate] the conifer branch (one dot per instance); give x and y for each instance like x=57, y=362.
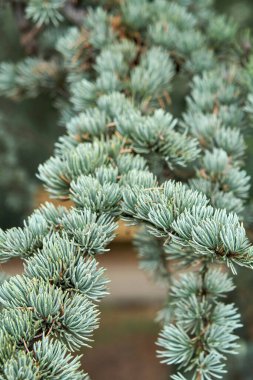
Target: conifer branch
x=120, y=143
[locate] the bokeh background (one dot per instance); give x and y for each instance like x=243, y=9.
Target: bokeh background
x=124, y=347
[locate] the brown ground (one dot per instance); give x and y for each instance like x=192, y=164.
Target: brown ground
x=124, y=347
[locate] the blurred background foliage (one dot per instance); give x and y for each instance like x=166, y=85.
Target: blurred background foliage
x=28, y=130
x=242, y=12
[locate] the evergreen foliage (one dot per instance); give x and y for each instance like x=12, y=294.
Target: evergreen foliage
x=16, y=187
x=112, y=72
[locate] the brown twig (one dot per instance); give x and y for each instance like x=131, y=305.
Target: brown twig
x=28, y=31
x=18, y=9
x=26, y=348
x=73, y=14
